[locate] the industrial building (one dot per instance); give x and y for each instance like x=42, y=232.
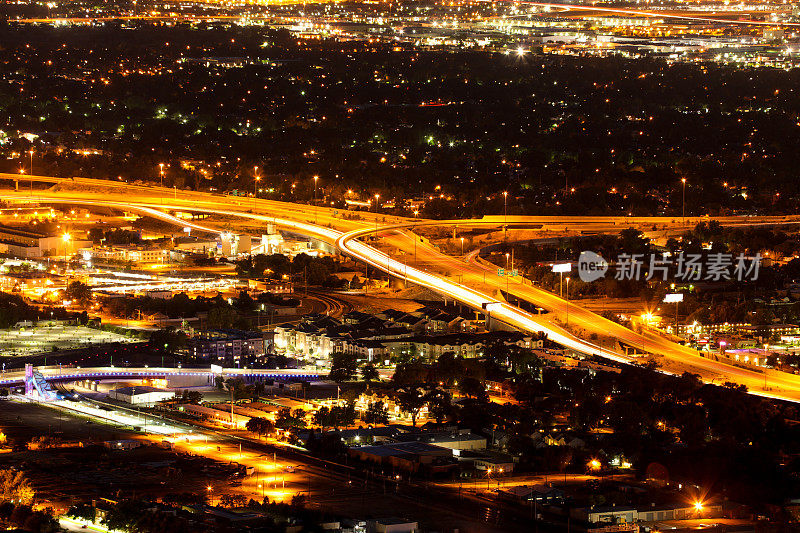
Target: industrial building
x=140, y=395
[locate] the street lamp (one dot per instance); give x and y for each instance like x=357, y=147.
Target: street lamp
x=698, y=506
x=31, y=168
x=66, y=238
x=683, y=203
x=210, y=494
x=507, y=275
x=161, y=175
x=316, y=178
x=462, y=246
x=377, y=197
x=505, y=213
x=256, y=179
x=567, y=301
x=22, y=171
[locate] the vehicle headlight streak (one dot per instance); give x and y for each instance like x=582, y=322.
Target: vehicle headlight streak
x=477, y=300
x=347, y=243
x=505, y=312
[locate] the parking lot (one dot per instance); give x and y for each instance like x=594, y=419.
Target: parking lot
x=38, y=339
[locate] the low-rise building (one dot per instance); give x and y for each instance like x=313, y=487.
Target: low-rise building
x=494, y=464
x=456, y=440
x=657, y=513
x=364, y=436
x=228, y=346
x=540, y=494
x=407, y=456
x=617, y=514
x=26, y=243
x=30, y=280
x=611, y=514
x=392, y=525
x=140, y=395
x=225, y=418
x=195, y=245
x=123, y=445
x=134, y=253
x=271, y=285
x=387, y=335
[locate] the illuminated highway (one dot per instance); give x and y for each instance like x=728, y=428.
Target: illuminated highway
x=473, y=288
x=67, y=374
x=674, y=358
x=719, y=18
x=722, y=17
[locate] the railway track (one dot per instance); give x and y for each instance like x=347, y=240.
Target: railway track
x=333, y=306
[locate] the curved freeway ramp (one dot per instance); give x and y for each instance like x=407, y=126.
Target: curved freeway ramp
x=331, y=228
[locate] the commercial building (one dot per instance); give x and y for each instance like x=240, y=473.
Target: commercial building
x=123, y=445
x=456, y=440
x=740, y=329
x=393, y=525
x=140, y=254
x=610, y=514
x=140, y=395
x=28, y=280
x=631, y=515
x=270, y=285
x=498, y=464
x=225, y=418
x=369, y=435
x=407, y=456
x=540, y=494
x=195, y=245
x=29, y=244
x=657, y=513
x=228, y=346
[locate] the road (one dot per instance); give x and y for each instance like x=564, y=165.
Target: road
x=725, y=17
x=334, y=307
x=473, y=286
x=53, y=373
x=472, y=273
x=282, y=471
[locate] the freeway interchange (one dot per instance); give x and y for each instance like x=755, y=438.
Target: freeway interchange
x=440, y=270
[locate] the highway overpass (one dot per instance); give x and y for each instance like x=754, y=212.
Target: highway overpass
x=55, y=374
x=471, y=287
